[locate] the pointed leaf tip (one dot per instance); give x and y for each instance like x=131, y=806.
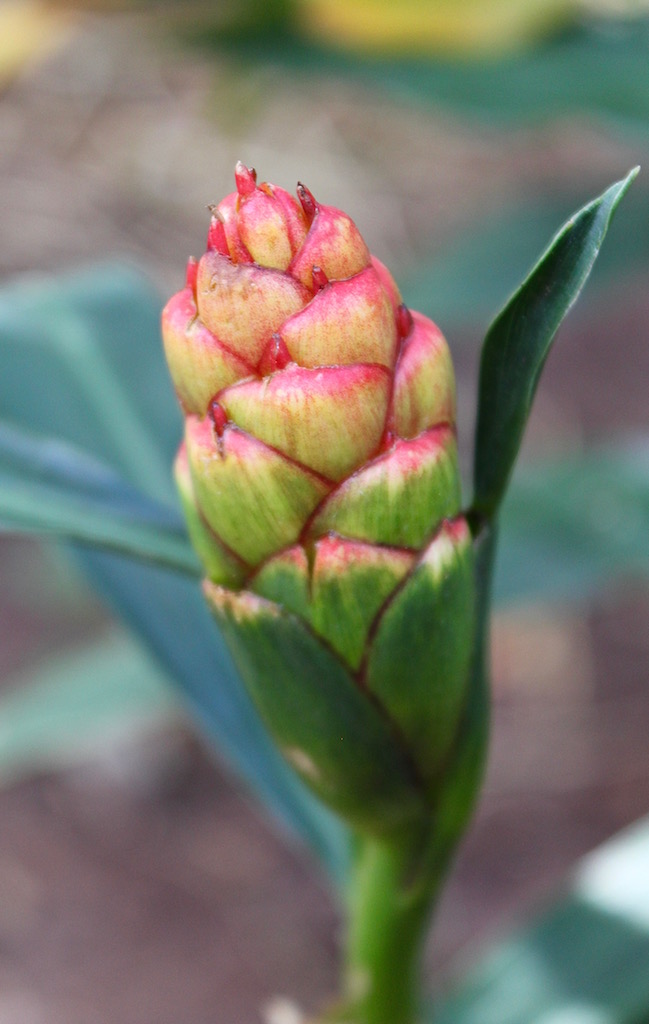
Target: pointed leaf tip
x=519, y=341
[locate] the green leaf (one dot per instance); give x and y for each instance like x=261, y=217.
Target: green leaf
x=519, y=340
x=51, y=488
x=572, y=525
x=57, y=713
x=332, y=733
x=80, y=358
x=583, y=961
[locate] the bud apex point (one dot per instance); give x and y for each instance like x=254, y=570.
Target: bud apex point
x=307, y=201
x=191, y=274
x=216, y=236
x=404, y=321
x=320, y=279
x=276, y=356
x=245, y=178
x=218, y=416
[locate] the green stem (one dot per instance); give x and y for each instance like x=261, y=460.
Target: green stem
x=389, y=911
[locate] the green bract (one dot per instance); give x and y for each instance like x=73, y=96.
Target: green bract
x=320, y=483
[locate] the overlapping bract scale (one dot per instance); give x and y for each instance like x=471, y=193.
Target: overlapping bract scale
x=428, y=626
x=366, y=330
x=200, y=365
x=329, y=419
x=218, y=561
x=333, y=244
x=339, y=591
x=252, y=498
x=424, y=392
x=398, y=497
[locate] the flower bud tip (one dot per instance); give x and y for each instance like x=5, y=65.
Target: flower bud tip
x=307, y=201
x=388, y=439
x=404, y=321
x=216, y=237
x=320, y=279
x=191, y=274
x=276, y=356
x=218, y=416
x=245, y=179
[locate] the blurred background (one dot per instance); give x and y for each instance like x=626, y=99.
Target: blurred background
x=138, y=880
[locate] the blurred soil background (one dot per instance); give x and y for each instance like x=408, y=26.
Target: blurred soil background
x=138, y=884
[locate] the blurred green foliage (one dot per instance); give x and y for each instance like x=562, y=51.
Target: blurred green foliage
x=597, y=66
